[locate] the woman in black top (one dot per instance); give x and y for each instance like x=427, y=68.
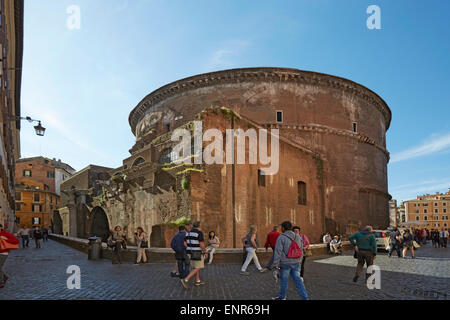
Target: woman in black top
x=408, y=242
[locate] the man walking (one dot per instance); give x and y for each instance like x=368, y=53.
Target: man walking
x=174, y=273
x=8, y=237
x=44, y=234
x=271, y=241
x=394, y=238
x=24, y=234
x=366, y=249
x=37, y=236
x=287, y=257
x=441, y=238
x=445, y=237
x=178, y=245
x=196, y=250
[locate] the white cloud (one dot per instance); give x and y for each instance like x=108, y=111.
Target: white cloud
x=433, y=145
x=411, y=191
x=225, y=57
x=51, y=120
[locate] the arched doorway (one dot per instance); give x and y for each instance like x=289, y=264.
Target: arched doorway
x=57, y=224
x=157, y=237
x=99, y=224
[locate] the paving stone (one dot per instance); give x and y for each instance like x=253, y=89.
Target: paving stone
x=41, y=274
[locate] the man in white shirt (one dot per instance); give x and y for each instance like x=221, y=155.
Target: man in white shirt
x=335, y=244
x=24, y=233
x=326, y=240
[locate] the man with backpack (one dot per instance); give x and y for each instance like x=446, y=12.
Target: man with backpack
x=365, y=245
x=287, y=257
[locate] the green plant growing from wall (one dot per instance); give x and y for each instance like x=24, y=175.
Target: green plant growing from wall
x=319, y=166
x=185, y=183
x=180, y=222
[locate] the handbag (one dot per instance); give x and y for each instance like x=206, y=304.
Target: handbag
x=5, y=245
x=144, y=244
x=110, y=243
x=355, y=254
x=196, y=255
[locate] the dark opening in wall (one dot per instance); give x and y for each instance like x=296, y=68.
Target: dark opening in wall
x=355, y=127
x=261, y=178
x=301, y=186
x=279, y=116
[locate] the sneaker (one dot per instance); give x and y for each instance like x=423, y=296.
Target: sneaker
x=278, y=298
x=136, y=263
x=185, y=284
x=199, y=283
x=244, y=273
x=174, y=274
x=355, y=278
x=263, y=270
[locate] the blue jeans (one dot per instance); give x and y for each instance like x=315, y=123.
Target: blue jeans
x=292, y=269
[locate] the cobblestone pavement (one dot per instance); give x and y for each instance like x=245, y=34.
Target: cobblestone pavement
x=41, y=274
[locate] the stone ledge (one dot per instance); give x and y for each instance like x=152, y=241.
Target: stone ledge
x=166, y=255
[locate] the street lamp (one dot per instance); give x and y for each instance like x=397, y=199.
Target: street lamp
x=40, y=130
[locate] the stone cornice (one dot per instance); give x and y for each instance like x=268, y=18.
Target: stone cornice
x=258, y=75
x=329, y=130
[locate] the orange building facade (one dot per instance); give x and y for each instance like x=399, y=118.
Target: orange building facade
x=35, y=204
x=432, y=209
x=38, y=182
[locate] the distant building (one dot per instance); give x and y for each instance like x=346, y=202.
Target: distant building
x=397, y=214
x=76, y=217
x=11, y=52
x=38, y=181
x=432, y=209
x=35, y=204
x=50, y=172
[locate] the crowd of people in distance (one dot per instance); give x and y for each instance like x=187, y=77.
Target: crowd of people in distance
x=35, y=233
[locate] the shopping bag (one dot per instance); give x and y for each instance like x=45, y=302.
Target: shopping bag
x=5, y=245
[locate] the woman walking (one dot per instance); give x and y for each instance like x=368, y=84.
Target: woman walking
x=142, y=244
x=251, y=244
x=408, y=242
x=213, y=244
x=117, y=241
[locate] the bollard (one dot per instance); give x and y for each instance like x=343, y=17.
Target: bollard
x=95, y=248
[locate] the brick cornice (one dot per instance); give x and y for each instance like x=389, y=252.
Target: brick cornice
x=258, y=75
x=329, y=130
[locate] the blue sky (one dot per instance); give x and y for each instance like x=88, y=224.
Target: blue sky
x=83, y=83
